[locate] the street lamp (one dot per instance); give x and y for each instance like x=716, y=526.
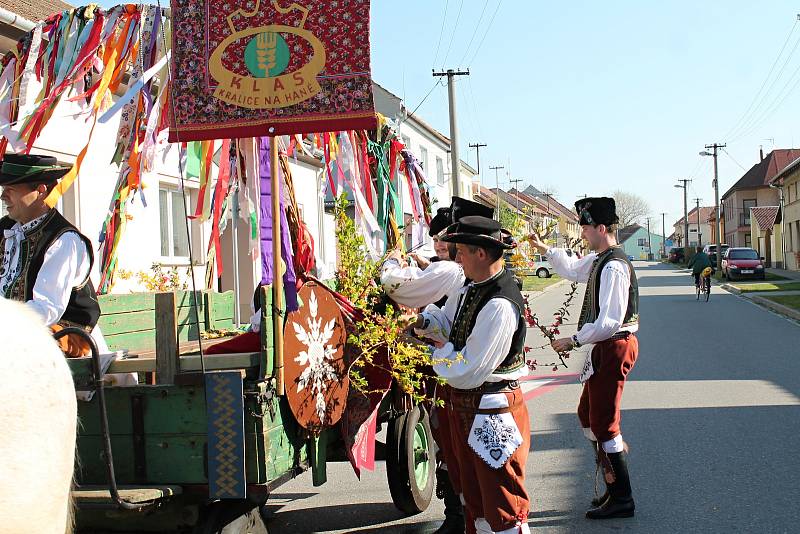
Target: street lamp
x=717, y=209
x=685, y=221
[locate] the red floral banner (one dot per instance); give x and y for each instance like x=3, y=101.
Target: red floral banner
x=245, y=68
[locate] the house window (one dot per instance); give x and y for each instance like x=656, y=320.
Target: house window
x=746, y=205
x=642, y=242
x=748, y=241
x=439, y=171
x=406, y=141
x=174, y=236
x=423, y=154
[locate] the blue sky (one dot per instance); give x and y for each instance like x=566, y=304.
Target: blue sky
x=585, y=97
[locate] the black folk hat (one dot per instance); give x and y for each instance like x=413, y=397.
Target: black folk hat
x=31, y=169
x=440, y=221
x=597, y=210
x=459, y=207
x=476, y=230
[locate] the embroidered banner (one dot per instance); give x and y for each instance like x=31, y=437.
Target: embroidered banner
x=269, y=67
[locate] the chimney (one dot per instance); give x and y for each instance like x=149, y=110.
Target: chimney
x=761, y=152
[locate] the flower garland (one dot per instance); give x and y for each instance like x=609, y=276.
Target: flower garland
x=550, y=332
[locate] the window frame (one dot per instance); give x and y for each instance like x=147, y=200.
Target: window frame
x=171, y=259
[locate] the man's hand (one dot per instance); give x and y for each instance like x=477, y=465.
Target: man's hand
x=422, y=262
x=537, y=243
x=410, y=320
x=395, y=255
x=563, y=344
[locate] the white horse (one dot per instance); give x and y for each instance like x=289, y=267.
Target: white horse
x=38, y=419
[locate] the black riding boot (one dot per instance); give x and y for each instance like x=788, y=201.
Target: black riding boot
x=620, y=498
x=600, y=499
x=453, y=509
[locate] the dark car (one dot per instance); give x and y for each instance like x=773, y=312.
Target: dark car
x=711, y=250
x=738, y=263
x=676, y=255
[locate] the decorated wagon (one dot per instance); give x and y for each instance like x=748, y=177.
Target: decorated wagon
x=202, y=440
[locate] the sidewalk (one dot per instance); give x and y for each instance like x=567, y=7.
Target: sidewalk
x=791, y=275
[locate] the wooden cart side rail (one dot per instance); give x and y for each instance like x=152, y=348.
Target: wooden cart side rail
x=128, y=321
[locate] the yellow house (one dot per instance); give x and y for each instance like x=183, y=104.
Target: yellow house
x=765, y=234
x=788, y=180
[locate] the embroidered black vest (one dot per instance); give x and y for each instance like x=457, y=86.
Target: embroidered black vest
x=472, y=302
x=591, y=300
x=82, y=308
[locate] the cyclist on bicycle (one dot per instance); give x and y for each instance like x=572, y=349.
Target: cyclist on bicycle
x=698, y=264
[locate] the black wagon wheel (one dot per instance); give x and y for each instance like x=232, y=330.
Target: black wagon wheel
x=231, y=517
x=410, y=460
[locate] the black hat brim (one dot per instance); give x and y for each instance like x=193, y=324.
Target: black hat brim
x=44, y=177
x=477, y=240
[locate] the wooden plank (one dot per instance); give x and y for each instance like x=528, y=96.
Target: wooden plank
x=126, y=303
x=190, y=362
x=123, y=323
x=207, y=314
x=144, y=340
x=101, y=495
x=167, y=362
x=222, y=305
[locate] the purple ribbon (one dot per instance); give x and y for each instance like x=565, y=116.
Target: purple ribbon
x=265, y=225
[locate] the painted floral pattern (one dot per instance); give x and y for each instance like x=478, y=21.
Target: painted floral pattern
x=317, y=357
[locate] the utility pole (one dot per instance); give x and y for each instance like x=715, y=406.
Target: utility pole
x=455, y=161
x=516, y=188
x=684, y=185
x=717, y=210
x=649, y=244
x=497, y=187
x=699, y=232
x=663, y=234
x=477, y=147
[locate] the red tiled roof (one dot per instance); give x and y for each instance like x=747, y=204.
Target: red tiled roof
x=34, y=11
x=705, y=213
x=762, y=173
x=765, y=216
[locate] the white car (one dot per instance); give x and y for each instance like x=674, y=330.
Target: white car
x=541, y=267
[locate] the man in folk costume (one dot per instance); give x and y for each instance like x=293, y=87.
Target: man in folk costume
x=428, y=286
x=46, y=261
x=481, y=362
x=609, y=320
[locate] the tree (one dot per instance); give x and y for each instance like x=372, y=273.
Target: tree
x=631, y=208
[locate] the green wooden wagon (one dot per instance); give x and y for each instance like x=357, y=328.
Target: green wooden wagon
x=202, y=445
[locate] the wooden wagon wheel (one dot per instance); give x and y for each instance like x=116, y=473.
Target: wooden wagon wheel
x=316, y=374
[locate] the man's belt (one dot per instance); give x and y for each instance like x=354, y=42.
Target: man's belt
x=492, y=387
x=619, y=335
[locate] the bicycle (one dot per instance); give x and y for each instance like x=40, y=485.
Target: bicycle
x=704, y=285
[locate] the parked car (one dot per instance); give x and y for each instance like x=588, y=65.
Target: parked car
x=738, y=263
x=676, y=255
x=542, y=267
x=711, y=250
x=509, y=267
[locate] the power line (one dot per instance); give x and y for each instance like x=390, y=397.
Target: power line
x=474, y=32
x=441, y=32
x=772, y=68
x=489, y=27
x=438, y=82
x=772, y=109
x=732, y=159
x=453, y=35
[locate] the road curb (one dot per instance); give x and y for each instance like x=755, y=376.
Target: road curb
x=774, y=306
x=535, y=294
x=731, y=289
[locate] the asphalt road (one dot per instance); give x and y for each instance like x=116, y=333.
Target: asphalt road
x=711, y=414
